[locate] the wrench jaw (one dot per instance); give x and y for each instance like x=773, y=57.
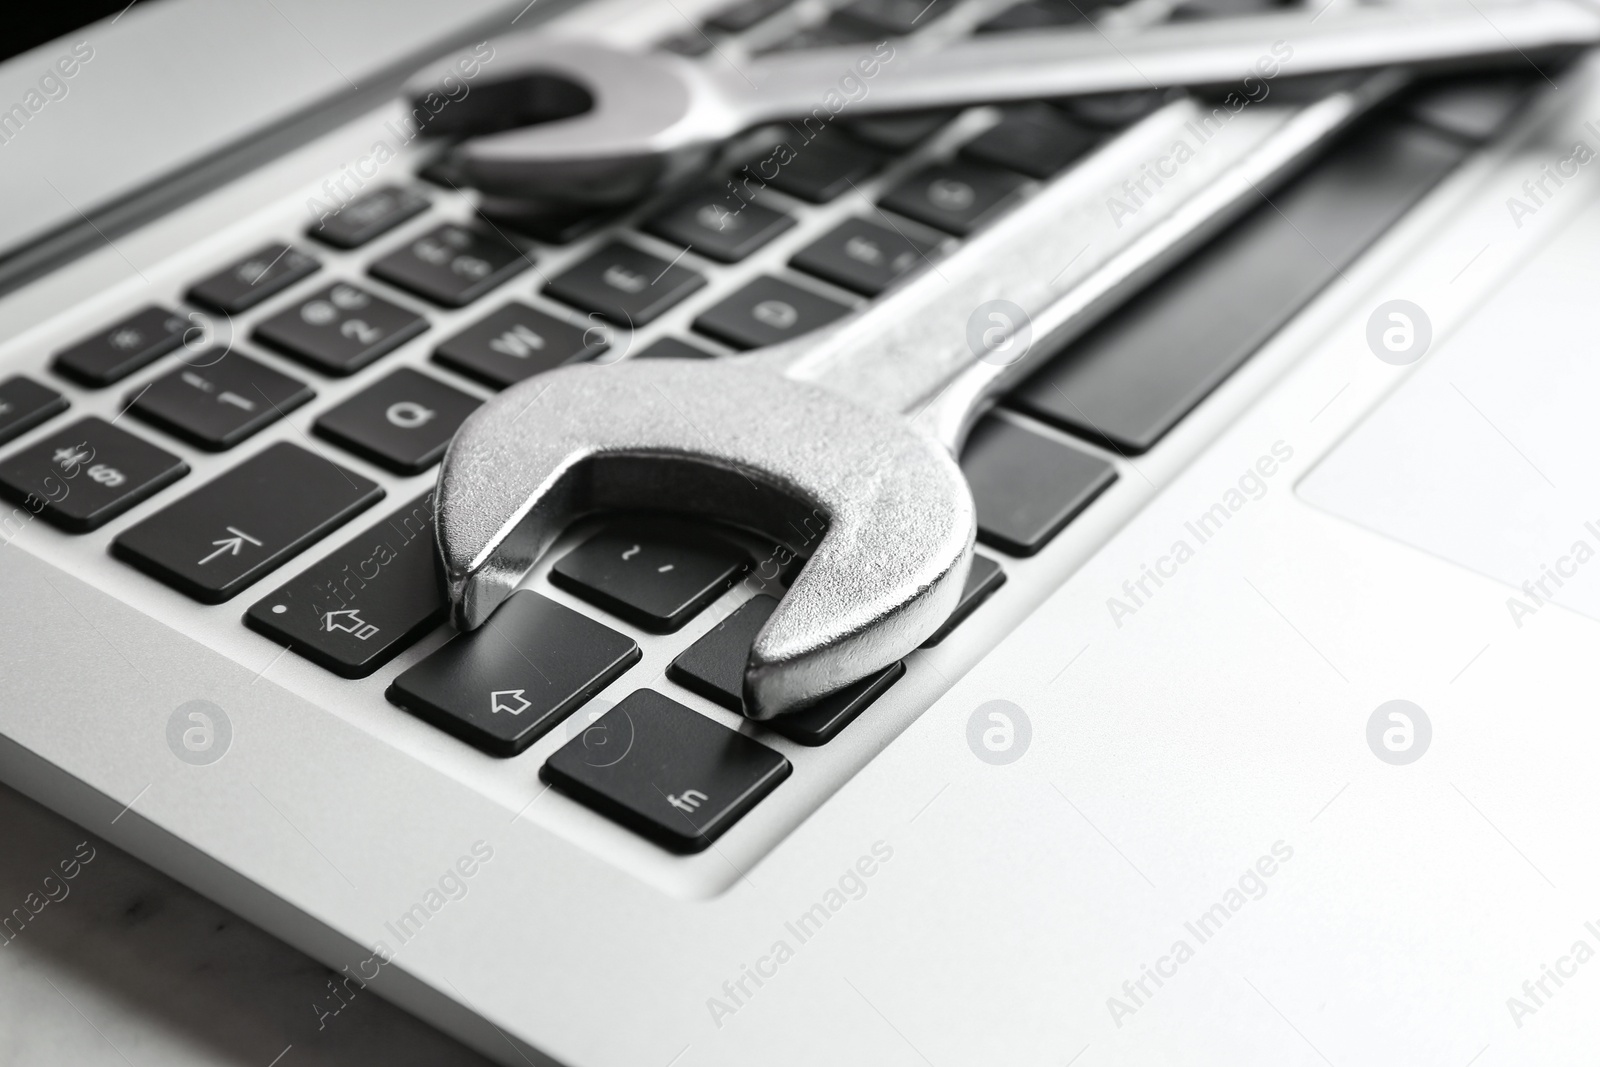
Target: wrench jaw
x=726, y=442
x=495, y=568
x=567, y=121
x=807, y=651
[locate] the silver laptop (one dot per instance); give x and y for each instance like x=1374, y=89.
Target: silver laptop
x=1264, y=732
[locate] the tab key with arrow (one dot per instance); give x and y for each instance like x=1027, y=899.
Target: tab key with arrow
x=285, y=497
x=230, y=545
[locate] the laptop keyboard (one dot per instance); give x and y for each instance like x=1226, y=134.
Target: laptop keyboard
x=536, y=662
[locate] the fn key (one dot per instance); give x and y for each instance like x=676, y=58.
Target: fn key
x=237, y=527
x=665, y=771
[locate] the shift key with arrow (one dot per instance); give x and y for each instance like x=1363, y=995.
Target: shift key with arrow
x=365, y=602
x=506, y=684
x=246, y=522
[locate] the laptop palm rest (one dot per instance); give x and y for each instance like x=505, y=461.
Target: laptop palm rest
x=1488, y=455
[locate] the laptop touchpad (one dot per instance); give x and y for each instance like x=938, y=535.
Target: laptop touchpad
x=1489, y=455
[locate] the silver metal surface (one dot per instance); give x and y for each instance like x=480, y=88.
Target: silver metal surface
x=817, y=428
x=734, y=441
x=655, y=116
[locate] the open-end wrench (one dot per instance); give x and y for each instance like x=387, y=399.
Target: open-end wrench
x=860, y=423
x=618, y=123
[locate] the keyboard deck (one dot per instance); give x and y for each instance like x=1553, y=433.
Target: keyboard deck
x=260, y=436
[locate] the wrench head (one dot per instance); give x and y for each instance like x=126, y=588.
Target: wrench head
x=573, y=121
x=731, y=441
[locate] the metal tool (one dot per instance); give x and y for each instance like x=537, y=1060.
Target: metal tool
x=860, y=423
x=610, y=125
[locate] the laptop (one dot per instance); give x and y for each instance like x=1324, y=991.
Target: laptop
x=1263, y=733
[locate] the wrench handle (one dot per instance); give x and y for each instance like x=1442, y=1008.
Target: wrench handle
x=987, y=315
x=908, y=74
x=958, y=405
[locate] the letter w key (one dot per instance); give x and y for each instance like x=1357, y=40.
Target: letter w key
x=519, y=341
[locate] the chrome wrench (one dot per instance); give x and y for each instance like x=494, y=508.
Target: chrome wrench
x=655, y=117
x=860, y=423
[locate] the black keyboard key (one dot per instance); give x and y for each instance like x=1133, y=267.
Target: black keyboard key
x=954, y=197
x=739, y=17
x=517, y=342
x=24, y=404
x=1131, y=378
x=1038, y=15
x=1113, y=111
x=714, y=668
x=341, y=329
x=766, y=312
x=246, y=522
x=826, y=719
x=504, y=685
x=453, y=265
x=900, y=131
x=219, y=401
x=1027, y=486
x=864, y=256
x=719, y=226
x=368, y=216
x=657, y=578
x=893, y=17
x=673, y=348
x=119, y=350
x=402, y=422
x=624, y=285
x=266, y=272
x=1035, y=139
x=982, y=580
x=825, y=167
x=86, y=474
x=666, y=772
x=357, y=609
